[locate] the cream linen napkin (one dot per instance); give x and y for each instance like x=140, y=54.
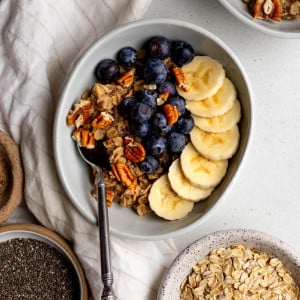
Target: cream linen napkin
x=39, y=42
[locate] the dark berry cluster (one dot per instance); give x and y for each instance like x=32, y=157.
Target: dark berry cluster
x=146, y=118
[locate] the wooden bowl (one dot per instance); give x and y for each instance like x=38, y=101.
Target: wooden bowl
x=11, y=177
x=44, y=235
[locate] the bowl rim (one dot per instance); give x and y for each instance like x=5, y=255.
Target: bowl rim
x=38, y=232
x=259, y=26
x=13, y=157
x=78, y=64
x=262, y=237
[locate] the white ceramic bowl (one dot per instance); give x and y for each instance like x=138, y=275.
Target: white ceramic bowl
x=52, y=239
x=183, y=263
x=74, y=173
x=283, y=29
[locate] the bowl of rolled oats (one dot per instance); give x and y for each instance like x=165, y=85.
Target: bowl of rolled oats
x=165, y=106
x=279, y=18
x=233, y=264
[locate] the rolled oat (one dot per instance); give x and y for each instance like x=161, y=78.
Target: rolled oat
x=238, y=272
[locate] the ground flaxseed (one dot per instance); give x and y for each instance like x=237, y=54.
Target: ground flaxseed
x=31, y=269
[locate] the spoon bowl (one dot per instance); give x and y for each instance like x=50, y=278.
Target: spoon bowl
x=97, y=158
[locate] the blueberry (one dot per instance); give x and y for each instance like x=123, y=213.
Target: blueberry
x=176, y=142
x=155, y=71
x=125, y=106
x=148, y=97
x=158, y=47
x=107, y=70
x=140, y=112
x=177, y=101
x=156, y=144
x=150, y=164
x=182, y=53
x=160, y=123
x=127, y=56
x=140, y=129
x=167, y=87
x=185, y=124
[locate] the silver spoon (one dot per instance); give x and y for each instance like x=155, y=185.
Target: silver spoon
x=97, y=159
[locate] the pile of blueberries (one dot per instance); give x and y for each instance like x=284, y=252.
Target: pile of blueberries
x=146, y=119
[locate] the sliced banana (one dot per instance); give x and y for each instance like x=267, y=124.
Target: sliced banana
x=182, y=187
x=217, y=104
x=220, y=123
x=216, y=146
x=204, y=76
x=165, y=203
x=199, y=170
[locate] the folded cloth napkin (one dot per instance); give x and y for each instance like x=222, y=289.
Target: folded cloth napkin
x=39, y=43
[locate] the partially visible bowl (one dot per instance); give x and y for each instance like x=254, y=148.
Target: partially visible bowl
x=183, y=263
x=31, y=232
x=11, y=177
x=283, y=29
x=74, y=173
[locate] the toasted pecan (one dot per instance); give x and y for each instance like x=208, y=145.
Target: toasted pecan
x=172, y=113
x=135, y=152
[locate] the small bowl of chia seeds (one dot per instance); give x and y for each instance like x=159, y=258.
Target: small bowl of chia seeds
x=36, y=263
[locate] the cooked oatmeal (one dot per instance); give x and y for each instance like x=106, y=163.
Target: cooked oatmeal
x=102, y=125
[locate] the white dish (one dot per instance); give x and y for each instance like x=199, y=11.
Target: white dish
x=74, y=173
x=183, y=263
x=283, y=29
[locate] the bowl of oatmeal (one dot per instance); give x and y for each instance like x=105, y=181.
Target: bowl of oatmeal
x=279, y=18
x=233, y=264
x=167, y=106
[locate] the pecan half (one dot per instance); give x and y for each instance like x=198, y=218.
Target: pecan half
x=267, y=9
x=135, y=152
x=102, y=120
x=124, y=175
x=79, y=114
x=172, y=113
x=84, y=138
x=163, y=97
x=180, y=79
x=127, y=78
x=109, y=197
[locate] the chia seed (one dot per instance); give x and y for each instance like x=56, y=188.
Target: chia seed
x=31, y=269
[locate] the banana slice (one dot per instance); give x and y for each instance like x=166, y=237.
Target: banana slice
x=216, y=105
x=201, y=171
x=165, y=203
x=220, y=123
x=204, y=76
x=182, y=187
x=216, y=146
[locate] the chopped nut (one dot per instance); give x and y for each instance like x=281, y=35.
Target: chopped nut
x=171, y=112
x=135, y=152
x=267, y=9
x=102, y=120
x=81, y=110
x=127, y=78
x=109, y=197
x=84, y=138
x=163, y=97
x=124, y=175
x=180, y=79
